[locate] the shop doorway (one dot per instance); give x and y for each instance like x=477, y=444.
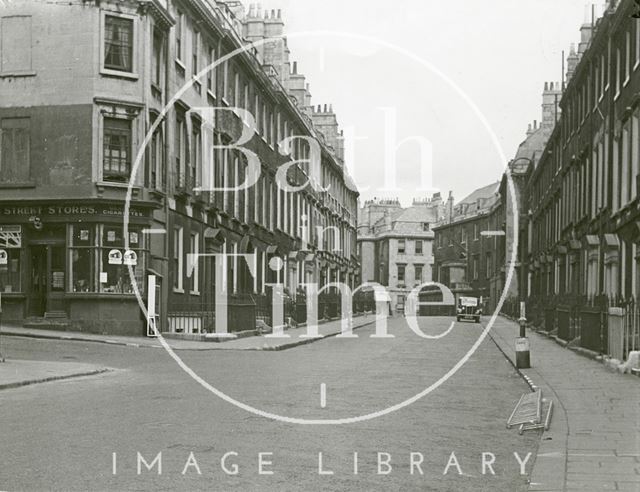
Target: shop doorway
x=47, y=279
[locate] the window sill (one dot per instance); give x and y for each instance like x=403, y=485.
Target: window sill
x=18, y=73
x=211, y=94
x=194, y=293
x=118, y=74
x=26, y=184
x=178, y=291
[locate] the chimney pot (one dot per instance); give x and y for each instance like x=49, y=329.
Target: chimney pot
x=295, y=67
x=279, y=13
x=325, y=108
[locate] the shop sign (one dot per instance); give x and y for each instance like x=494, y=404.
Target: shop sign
x=69, y=210
x=130, y=257
x=115, y=257
x=4, y=257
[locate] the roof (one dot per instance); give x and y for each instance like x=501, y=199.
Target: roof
x=417, y=213
x=482, y=193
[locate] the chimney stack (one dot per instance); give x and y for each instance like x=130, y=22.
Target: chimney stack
x=550, y=107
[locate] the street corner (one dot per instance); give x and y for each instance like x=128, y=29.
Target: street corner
x=17, y=373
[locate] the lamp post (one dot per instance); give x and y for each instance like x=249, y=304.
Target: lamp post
x=523, y=354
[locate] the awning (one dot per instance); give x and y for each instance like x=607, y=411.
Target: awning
x=293, y=255
x=562, y=250
x=611, y=241
x=310, y=257
x=272, y=249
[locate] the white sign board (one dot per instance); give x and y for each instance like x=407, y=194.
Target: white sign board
x=130, y=257
x=522, y=345
x=469, y=301
x=115, y=257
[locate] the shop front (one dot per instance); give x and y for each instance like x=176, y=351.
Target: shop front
x=71, y=263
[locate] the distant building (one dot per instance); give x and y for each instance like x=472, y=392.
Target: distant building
x=463, y=256
x=395, y=244
x=474, y=244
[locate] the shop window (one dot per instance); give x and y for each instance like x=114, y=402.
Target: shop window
x=10, y=258
x=116, y=149
x=116, y=258
x=15, y=160
x=118, y=43
x=83, y=258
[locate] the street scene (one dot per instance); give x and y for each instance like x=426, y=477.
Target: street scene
x=319, y=245
x=167, y=412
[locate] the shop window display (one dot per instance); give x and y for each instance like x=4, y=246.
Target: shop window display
x=115, y=260
x=10, y=259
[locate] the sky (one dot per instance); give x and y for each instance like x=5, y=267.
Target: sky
x=460, y=80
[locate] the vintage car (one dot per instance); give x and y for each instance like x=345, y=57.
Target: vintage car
x=468, y=309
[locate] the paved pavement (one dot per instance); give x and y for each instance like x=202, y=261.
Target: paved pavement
x=594, y=440
x=149, y=405
x=292, y=337
x=15, y=373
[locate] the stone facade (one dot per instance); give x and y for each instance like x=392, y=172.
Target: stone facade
x=395, y=244
x=83, y=86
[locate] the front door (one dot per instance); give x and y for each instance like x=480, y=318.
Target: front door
x=46, y=292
